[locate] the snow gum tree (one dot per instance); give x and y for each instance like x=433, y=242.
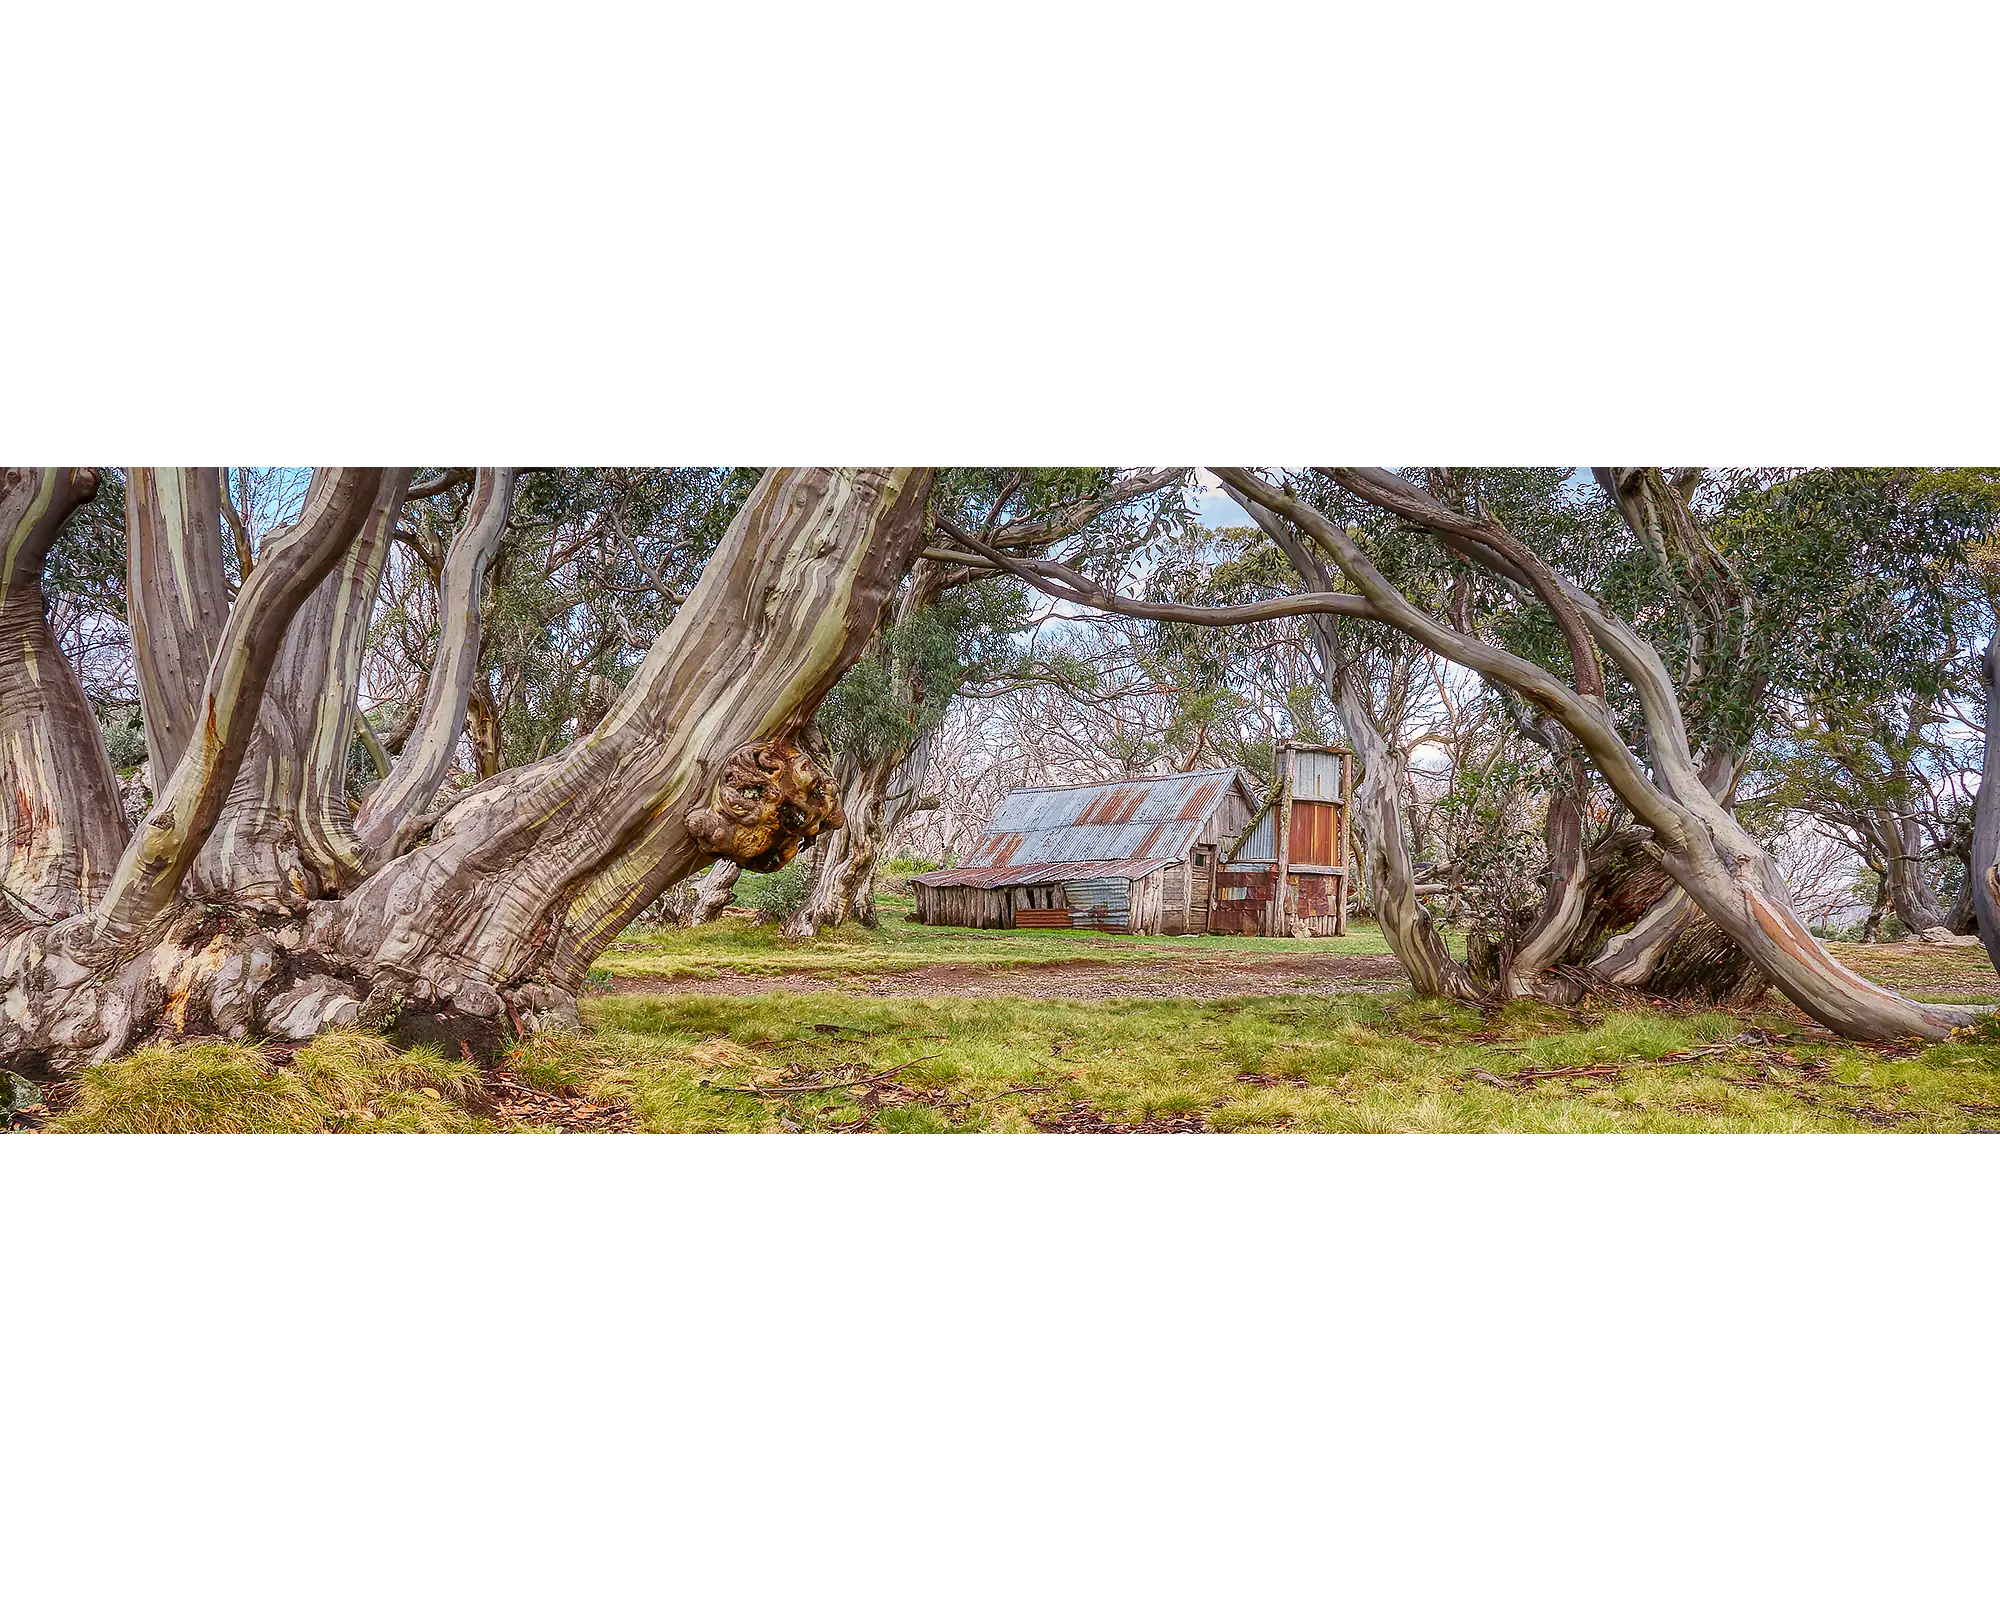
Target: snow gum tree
x=1675, y=788
x=252, y=897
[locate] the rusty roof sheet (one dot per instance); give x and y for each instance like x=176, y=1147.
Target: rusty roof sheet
x=1138, y=819
x=1009, y=877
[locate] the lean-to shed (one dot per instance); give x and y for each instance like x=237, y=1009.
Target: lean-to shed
x=1290, y=870
x=1137, y=856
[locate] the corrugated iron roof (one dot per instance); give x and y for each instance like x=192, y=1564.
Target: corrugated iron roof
x=1014, y=877
x=1138, y=819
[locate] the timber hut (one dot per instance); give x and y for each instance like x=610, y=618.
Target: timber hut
x=1137, y=856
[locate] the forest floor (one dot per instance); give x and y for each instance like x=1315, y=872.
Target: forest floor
x=931, y=1030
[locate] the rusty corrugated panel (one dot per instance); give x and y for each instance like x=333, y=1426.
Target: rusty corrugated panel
x=1114, y=804
x=1139, y=817
x=1024, y=873
x=1315, y=833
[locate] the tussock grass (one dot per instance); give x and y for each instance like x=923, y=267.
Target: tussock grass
x=202, y=1088
x=343, y=1082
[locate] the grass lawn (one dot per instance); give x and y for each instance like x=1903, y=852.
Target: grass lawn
x=735, y=945
x=1360, y=1064
x=831, y=1059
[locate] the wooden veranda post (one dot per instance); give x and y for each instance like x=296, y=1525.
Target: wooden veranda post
x=1287, y=765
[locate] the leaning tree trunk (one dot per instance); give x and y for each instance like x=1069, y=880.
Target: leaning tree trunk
x=526, y=878
x=1985, y=863
x=878, y=788
x=527, y=882
x=392, y=814
x=844, y=859
x=1529, y=962
x=1377, y=805
x=1961, y=919
x=176, y=600
x=286, y=834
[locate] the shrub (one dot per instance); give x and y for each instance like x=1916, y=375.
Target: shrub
x=774, y=896
x=125, y=740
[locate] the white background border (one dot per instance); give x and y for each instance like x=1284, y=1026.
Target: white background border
x=1070, y=232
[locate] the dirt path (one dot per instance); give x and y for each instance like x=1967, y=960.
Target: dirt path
x=1170, y=978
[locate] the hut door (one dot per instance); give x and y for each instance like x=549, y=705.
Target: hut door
x=1201, y=873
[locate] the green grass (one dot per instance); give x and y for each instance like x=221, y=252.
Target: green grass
x=825, y=1058
x=342, y=1082
x=736, y=945
x=1357, y=1064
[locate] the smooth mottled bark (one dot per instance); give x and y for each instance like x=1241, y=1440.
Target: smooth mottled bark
x=1901, y=841
x=528, y=882
x=191, y=798
x=878, y=790
x=876, y=797
x=176, y=598
x=393, y=809
x=286, y=833
x=61, y=826
x=707, y=755
x=1640, y=930
x=1527, y=967
x=1377, y=803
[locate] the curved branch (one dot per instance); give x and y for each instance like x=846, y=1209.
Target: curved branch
x=1397, y=494
x=1699, y=844
x=450, y=478
x=1637, y=659
x=538, y=872
x=1585, y=718
x=1061, y=582
x=1059, y=522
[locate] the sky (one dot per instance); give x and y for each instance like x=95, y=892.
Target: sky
x=1213, y=505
